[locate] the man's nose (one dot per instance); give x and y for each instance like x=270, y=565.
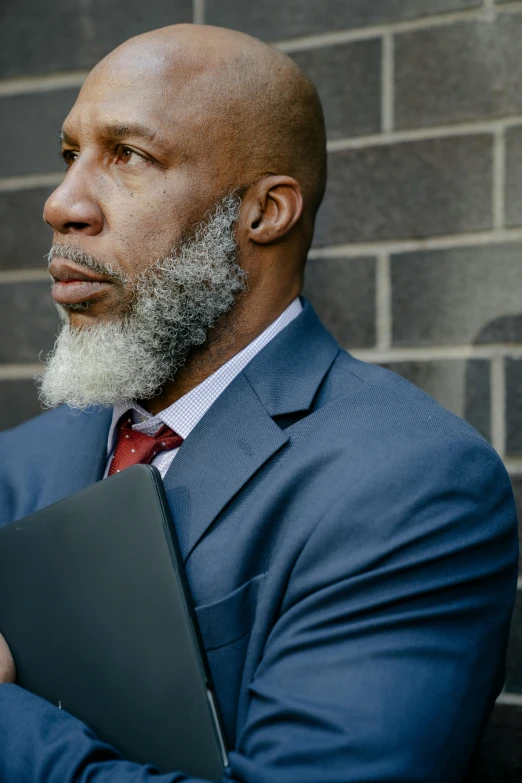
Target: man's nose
x=71, y=208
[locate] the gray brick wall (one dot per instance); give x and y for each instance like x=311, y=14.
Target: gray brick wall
x=417, y=260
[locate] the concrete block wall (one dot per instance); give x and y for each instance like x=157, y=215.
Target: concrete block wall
x=417, y=260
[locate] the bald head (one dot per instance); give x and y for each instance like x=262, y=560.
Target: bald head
x=249, y=104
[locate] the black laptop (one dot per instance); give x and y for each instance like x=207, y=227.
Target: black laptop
x=95, y=607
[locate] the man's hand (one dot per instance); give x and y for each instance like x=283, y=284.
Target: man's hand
x=7, y=666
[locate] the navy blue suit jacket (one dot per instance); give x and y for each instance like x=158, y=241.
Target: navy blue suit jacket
x=352, y=552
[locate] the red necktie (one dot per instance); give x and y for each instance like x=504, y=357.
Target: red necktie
x=134, y=447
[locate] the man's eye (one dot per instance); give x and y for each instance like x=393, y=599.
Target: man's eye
x=69, y=157
x=129, y=156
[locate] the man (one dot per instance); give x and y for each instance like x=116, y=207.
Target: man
x=350, y=546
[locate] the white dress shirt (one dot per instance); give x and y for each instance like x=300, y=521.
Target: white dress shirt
x=183, y=415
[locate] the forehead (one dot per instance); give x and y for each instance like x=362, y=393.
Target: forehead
x=106, y=101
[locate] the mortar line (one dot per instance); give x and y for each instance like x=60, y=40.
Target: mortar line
x=424, y=134
x=28, y=181
x=387, y=83
x=375, y=31
x=399, y=246
x=429, y=353
x=510, y=699
x=19, y=372
x=44, y=83
x=198, y=11
x=498, y=404
x=489, y=10
x=510, y=8
x=513, y=466
x=10, y=276
x=383, y=311
x=499, y=178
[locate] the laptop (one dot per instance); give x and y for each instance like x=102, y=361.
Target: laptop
x=95, y=606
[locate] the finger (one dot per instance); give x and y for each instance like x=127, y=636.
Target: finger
x=7, y=666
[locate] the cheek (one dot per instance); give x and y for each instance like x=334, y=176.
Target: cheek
x=140, y=234
x=147, y=223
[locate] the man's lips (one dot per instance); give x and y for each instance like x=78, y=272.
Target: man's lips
x=76, y=291
x=75, y=284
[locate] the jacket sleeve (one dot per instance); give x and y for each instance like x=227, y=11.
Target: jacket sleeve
x=386, y=655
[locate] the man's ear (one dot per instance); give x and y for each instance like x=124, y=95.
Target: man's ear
x=274, y=205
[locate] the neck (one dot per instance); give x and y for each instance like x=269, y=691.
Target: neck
x=234, y=332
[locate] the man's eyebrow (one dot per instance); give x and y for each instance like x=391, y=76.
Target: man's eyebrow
x=121, y=130
x=118, y=131
x=65, y=138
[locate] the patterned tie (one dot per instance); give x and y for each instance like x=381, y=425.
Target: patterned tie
x=134, y=447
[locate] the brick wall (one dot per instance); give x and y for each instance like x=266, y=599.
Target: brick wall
x=417, y=262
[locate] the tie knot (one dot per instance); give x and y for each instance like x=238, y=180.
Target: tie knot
x=134, y=447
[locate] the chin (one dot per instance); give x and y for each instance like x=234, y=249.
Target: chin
x=89, y=316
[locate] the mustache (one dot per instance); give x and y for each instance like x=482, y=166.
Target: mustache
x=88, y=261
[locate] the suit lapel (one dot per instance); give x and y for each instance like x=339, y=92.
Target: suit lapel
x=238, y=435
x=233, y=440
x=78, y=452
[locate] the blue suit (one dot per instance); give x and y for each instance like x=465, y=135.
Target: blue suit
x=352, y=552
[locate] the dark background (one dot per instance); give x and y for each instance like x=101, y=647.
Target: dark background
x=417, y=262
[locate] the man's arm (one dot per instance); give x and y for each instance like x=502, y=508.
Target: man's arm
x=385, y=659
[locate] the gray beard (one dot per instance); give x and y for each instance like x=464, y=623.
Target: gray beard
x=176, y=301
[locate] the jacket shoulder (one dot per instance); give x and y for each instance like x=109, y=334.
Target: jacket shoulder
x=48, y=420
x=389, y=400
